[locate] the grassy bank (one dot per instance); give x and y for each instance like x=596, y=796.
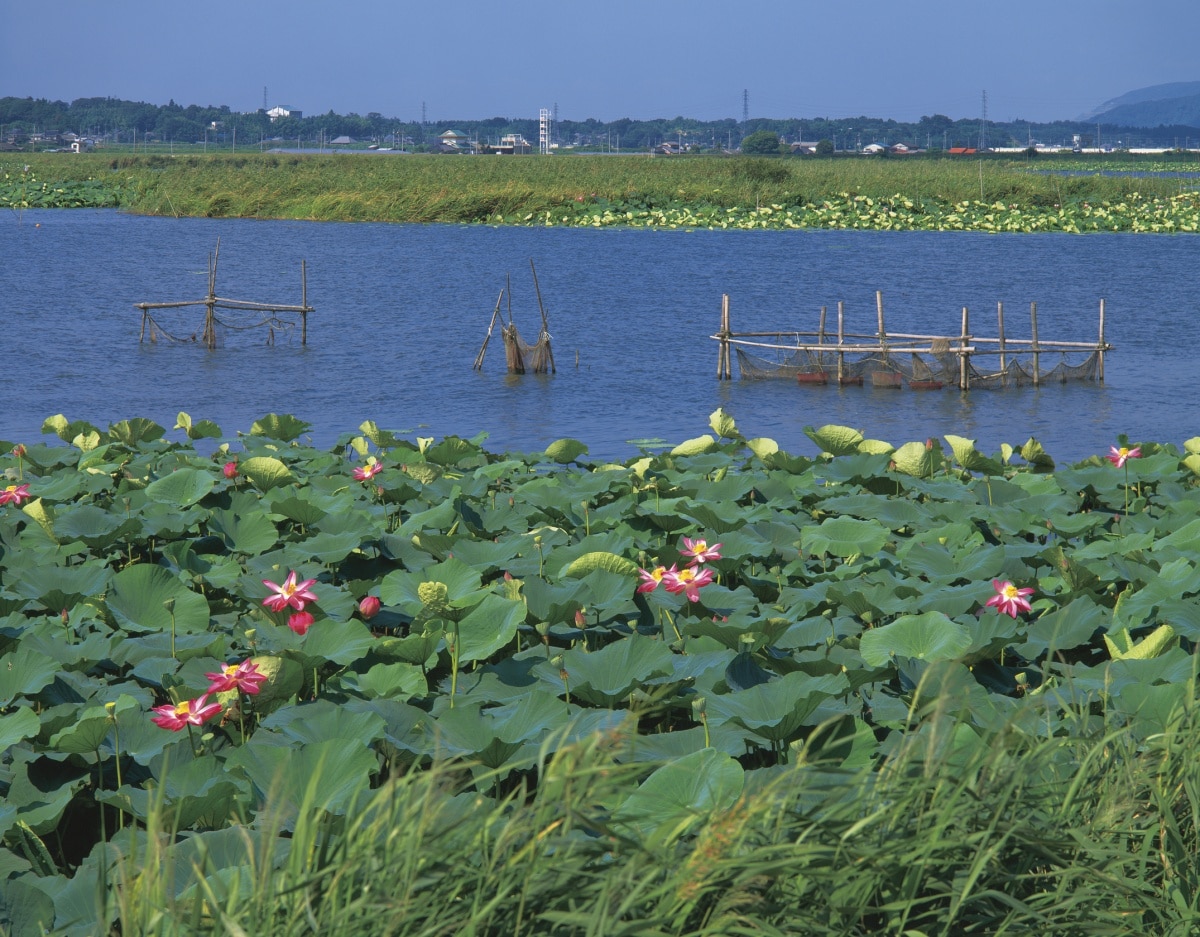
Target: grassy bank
x=410, y=686
x=898, y=193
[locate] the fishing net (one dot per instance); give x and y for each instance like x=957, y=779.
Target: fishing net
x=217, y=331
x=939, y=368
x=521, y=356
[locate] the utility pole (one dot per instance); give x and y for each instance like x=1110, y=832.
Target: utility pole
x=983, y=126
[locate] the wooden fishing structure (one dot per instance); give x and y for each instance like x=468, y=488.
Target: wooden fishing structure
x=271, y=316
x=519, y=355
x=896, y=359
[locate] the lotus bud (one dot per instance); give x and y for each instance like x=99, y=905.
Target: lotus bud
x=230, y=469
x=369, y=607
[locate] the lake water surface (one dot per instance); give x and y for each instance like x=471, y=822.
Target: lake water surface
x=401, y=311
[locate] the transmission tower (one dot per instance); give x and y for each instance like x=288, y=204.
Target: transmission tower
x=264, y=97
x=745, y=105
x=983, y=126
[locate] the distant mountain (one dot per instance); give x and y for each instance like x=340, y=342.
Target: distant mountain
x=1177, y=103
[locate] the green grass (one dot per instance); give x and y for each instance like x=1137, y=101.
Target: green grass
x=574, y=189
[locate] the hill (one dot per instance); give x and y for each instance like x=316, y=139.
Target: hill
x=1174, y=104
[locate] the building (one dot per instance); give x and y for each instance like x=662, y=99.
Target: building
x=282, y=110
x=512, y=143
x=450, y=141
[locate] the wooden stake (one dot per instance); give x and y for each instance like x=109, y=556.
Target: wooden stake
x=303, y=303
x=841, y=335
x=964, y=355
x=1037, y=368
x=1003, y=358
x=1100, y=364
x=545, y=325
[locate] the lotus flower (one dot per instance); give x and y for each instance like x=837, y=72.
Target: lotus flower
x=1009, y=599
x=651, y=578
x=700, y=551
x=244, y=676
x=366, y=472
x=14, y=493
x=290, y=594
x=688, y=580
x=191, y=712
x=1118, y=457
x=230, y=469
x=299, y=622
x=369, y=607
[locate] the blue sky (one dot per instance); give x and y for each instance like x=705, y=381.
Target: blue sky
x=1038, y=60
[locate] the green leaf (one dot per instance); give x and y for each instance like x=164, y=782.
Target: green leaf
x=24, y=673
x=133, y=432
x=971, y=458
x=723, y=425
x=18, y=726
x=565, y=450
x=844, y=536
x=919, y=459
x=682, y=793
x=265, y=472
x=283, y=427
x=1158, y=642
x=182, y=487
x=145, y=598
x=697, y=446
x=488, y=627
x=835, y=440
x=928, y=637
x=609, y=562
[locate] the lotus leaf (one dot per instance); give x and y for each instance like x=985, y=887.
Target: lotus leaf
x=610, y=562
x=16, y=727
x=835, y=440
x=723, y=424
x=564, y=451
x=691, y=447
x=25, y=909
x=606, y=676
x=929, y=637
x=341, y=642
x=921, y=460
x=775, y=711
x=24, y=672
x=488, y=627
x=398, y=681
x=844, y=537
x=681, y=794
x=265, y=472
x=149, y=598
x=243, y=531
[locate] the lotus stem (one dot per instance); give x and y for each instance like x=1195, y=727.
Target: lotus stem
x=454, y=666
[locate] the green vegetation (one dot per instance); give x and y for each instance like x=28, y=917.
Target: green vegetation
x=471, y=713
x=741, y=192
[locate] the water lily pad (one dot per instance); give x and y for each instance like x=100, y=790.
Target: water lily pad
x=928, y=637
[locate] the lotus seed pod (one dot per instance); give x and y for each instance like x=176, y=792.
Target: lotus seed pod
x=434, y=596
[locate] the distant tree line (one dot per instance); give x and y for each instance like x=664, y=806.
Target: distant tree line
x=129, y=121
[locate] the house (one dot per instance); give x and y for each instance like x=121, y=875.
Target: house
x=961, y=150
x=512, y=143
x=902, y=149
x=801, y=148
x=283, y=110
x=341, y=141
x=450, y=141
x=871, y=149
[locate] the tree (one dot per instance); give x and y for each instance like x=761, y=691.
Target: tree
x=761, y=143
x=824, y=147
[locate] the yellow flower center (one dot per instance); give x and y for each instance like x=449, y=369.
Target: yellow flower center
x=11, y=488
x=1010, y=591
x=182, y=709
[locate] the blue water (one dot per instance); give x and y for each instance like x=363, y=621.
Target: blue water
x=401, y=311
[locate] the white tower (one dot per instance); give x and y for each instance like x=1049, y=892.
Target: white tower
x=544, y=130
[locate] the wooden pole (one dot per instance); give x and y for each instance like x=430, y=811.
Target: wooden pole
x=841, y=334
x=542, y=309
x=303, y=304
x=478, y=366
x=879, y=314
x=1100, y=363
x=1003, y=357
x=964, y=355
x=724, y=366
x=1037, y=368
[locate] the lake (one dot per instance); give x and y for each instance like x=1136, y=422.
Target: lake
x=401, y=312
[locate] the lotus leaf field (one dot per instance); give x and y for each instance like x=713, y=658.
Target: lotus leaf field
x=223, y=659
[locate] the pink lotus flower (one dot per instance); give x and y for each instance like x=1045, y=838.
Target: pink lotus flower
x=700, y=551
x=244, y=676
x=1008, y=599
x=1118, y=457
x=651, y=578
x=300, y=622
x=14, y=493
x=688, y=580
x=366, y=472
x=290, y=594
x=230, y=469
x=369, y=607
x=191, y=712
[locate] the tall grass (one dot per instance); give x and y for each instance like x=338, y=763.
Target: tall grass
x=949, y=833
x=461, y=189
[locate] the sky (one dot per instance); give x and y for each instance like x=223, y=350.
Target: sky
x=442, y=60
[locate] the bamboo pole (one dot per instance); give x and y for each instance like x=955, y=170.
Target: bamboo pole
x=1037, y=368
x=841, y=335
x=542, y=309
x=478, y=366
x=303, y=303
x=724, y=364
x=1100, y=363
x=1003, y=357
x=964, y=356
